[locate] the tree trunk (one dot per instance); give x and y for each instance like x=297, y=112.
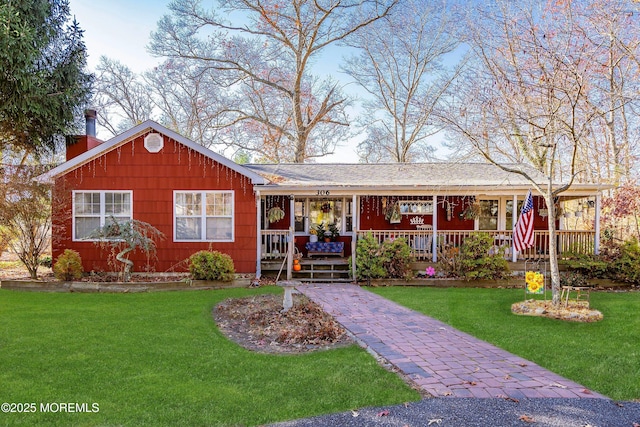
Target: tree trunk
x=128, y=264
x=553, y=247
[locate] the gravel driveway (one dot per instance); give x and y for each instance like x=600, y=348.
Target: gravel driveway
x=469, y=412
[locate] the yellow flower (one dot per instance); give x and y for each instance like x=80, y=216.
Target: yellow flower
x=534, y=287
x=534, y=282
x=529, y=276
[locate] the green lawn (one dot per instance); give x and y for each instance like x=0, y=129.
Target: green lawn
x=603, y=356
x=158, y=359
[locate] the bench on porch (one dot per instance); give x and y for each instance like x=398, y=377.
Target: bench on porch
x=325, y=248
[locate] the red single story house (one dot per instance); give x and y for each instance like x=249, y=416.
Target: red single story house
x=202, y=200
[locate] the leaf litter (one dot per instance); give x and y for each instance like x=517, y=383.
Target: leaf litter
x=258, y=324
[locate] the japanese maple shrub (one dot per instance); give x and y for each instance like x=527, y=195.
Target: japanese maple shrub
x=124, y=237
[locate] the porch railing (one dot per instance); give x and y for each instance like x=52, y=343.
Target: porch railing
x=274, y=243
x=420, y=241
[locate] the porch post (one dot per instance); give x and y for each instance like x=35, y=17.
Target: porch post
x=355, y=218
x=596, y=238
x=259, y=236
x=355, y=226
x=290, y=252
x=292, y=213
x=292, y=236
x=434, y=238
x=514, y=219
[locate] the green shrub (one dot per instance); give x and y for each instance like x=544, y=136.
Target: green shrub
x=477, y=258
x=368, y=259
x=68, y=266
x=396, y=259
x=620, y=262
x=212, y=265
x=626, y=267
x=480, y=259
x=590, y=266
x=391, y=259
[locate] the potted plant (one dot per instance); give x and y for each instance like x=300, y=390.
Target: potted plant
x=333, y=232
x=313, y=235
x=275, y=214
x=319, y=230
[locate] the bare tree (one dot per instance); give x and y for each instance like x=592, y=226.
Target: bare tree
x=613, y=29
x=187, y=100
x=265, y=54
x=524, y=99
x=25, y=213
x=121, y=96
x=401, y=68
x=174, y=94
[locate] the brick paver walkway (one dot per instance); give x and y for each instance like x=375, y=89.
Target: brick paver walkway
x=440, y=359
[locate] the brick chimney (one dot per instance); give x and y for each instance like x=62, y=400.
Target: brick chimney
x=79, y=144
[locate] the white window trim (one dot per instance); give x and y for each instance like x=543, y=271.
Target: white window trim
x=103, y=215
x=203, y=216
x=500, y=214
x=502, y=211
x=307, y=219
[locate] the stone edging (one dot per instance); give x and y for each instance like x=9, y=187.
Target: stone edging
x=119, y=287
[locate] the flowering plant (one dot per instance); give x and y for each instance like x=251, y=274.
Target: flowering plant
x=430, y=271
x=534, y=282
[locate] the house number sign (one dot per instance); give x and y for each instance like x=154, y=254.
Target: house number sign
x=323, y=193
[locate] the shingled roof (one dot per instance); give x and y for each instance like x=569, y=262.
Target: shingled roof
x=426, y=175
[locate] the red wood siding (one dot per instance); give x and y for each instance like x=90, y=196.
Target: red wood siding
x=283, y=203
x=373, y=216
x=153, y=177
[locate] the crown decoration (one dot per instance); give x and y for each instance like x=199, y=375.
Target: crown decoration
x=416, y=220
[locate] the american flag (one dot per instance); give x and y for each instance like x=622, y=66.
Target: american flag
x=523, y=231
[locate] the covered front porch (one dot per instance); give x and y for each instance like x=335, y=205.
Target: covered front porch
x=424, y=235
x=433, y=207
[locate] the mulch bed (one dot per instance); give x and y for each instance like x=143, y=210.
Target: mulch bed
x=257, y=323
x=573, y=312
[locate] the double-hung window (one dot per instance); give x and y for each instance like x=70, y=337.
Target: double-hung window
x=203, y=216
x=92, y=209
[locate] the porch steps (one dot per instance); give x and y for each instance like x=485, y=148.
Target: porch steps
x=323, y=270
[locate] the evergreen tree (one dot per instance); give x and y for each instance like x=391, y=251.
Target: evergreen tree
x=43, y=83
